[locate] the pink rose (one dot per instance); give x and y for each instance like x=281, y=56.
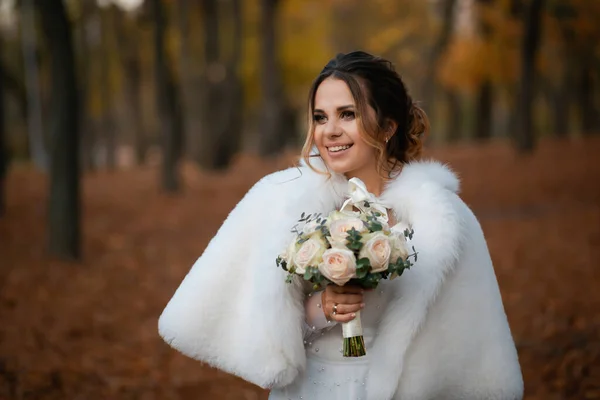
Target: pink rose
x=378, y=250
x=339, y=265
x=338, y=230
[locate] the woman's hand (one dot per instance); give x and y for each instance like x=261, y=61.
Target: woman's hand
x=340, y=303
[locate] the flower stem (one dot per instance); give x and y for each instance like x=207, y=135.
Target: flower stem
x=354, y=347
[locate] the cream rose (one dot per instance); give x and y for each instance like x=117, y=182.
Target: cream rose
x=398, y=244
x=339, y=265
x=288, y=254
x=377, y=249
x=309, y=254
x=338, y=230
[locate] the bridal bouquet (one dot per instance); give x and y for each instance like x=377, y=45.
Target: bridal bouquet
x=348, y=247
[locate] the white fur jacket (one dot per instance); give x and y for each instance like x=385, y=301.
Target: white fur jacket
x=444, y=335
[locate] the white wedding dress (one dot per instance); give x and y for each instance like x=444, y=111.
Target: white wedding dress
x=329, y=375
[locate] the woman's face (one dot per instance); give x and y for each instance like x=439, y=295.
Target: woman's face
x=337, y=132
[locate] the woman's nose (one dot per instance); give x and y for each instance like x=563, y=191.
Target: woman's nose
x=332, y=128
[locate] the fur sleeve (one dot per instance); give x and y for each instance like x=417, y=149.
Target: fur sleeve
x=436, y=221
x=221, y=314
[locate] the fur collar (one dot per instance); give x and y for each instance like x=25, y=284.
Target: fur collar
x=413, y=177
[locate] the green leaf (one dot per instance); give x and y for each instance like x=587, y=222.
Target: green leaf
x=356, y=246
x=376, y=227
x=363, y=262
x=308, y=274
x=361, y=273
x=302, y=240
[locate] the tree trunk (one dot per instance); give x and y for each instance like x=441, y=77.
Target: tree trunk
x=214, y=77
x=64, y=205
x=346, y=36
x=34, y=103
x=15, y=87
x=485, y=96
x=185, y=72
x=438, y=49
x=132, y=70
x=483, y=113
x=167, y=104
x=108, y=125
x=586, y=99
x=525, y=136
x=230, y=121
x=454, y=116
x=561, y=108
x=83, y=55
x=3, y=149
x=273, y=131
x=192, y=85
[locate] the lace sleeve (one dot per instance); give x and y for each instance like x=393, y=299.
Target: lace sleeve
x=315, y=322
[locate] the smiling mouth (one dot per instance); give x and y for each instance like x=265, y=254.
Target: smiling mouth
x=337, y=149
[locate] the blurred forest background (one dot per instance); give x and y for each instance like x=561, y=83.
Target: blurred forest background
x=130, y=128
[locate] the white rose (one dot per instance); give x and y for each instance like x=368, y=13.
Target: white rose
x=378, y=250
x=338, y=230
x=309, y=254
x=339, y=265
x=288, y=254
x=398, y=244
x=337, y=215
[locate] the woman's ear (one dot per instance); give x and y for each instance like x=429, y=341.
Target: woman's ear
x=390, y=128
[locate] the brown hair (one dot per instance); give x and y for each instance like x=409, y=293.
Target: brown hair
x=374, y=82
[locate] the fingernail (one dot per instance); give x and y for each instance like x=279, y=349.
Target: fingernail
x=362, y=305
x=353, y=315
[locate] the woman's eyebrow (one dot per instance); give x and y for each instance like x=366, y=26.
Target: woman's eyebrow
x=340, y=108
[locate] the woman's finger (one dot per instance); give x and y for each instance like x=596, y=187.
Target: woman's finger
x=349, y=308
x=343, y=317
x=347, y=298
x=350, y=289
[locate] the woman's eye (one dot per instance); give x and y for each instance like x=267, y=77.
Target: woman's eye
x=318, y=118
x=347, y=115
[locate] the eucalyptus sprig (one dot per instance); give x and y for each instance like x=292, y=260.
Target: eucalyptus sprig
x=373, y=223
x=353, y=240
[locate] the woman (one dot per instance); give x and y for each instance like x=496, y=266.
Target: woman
x=437, y=332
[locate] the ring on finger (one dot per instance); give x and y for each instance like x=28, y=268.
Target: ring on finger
x=335, y=308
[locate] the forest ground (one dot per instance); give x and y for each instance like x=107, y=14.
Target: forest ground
x=88, y=330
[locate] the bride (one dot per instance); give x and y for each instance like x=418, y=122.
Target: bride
x=437, y=332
